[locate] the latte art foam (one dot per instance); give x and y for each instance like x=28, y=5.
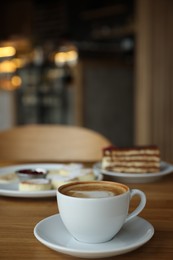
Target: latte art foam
x=91, y=190
x=91, y=194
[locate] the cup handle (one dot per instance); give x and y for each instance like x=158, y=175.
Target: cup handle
x=141, y=205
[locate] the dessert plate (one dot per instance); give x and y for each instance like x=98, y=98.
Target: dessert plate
x=11, y=188
x=165, y=169
x=52, y=233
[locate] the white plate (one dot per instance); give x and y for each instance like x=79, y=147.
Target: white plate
x=52, y=233
x=166, y=168
x=11, y=189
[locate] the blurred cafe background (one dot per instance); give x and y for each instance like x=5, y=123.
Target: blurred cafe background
x=103, y=64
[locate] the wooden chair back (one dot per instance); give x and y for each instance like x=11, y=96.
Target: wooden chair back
x=51, y=143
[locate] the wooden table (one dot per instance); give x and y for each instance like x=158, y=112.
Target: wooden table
x=18, y=217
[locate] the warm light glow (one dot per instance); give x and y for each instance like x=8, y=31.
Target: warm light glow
x=72, y=56
x=5, y=84
x=7, y=51
x=60, y=58
x=69, y=57
x=10, y=84
x=18, y=62
x=7, y=67
x=16, y=81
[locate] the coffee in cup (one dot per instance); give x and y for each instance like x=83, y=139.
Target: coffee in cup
x=93, y=190
x=94, y=212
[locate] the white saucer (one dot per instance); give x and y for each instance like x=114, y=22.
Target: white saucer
x=52, y=233
x=166, y=169
x=11, y=189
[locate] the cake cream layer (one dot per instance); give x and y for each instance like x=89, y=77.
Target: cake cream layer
x=132, y=158
x=133, y=169
x=131, y=163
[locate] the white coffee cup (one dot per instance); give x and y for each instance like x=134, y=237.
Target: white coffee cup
x=94, y=212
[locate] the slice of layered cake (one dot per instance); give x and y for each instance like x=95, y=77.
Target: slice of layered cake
x=140, y=159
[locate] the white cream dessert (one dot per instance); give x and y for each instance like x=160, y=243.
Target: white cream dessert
x=35, y=185
x=142, y=159
x=86, y=175
x=7, y=178
x=60, y=180
x=59, y=177
x=60, y=172
x=65, y=170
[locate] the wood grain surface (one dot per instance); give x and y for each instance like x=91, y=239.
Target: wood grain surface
x=18, y=217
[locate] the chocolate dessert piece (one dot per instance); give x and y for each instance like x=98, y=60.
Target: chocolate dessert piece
x=139, y=159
